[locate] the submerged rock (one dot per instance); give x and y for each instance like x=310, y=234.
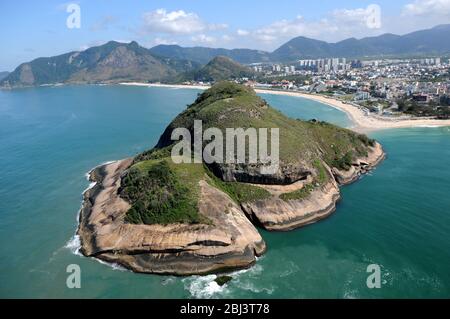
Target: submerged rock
x=222, y=280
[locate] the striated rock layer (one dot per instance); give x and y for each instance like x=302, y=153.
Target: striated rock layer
x=229, y=242
x=277, y=214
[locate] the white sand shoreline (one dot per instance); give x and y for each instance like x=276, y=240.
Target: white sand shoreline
x=361, y=121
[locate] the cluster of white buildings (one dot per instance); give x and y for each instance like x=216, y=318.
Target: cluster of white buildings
x=326, y=65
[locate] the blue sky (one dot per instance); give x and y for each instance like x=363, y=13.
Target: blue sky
x=31, y=29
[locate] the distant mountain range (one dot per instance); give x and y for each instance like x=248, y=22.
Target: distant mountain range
x=116, y=62
x=431, y=41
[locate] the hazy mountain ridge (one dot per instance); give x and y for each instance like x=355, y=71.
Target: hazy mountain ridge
x=430, y=41
x=111, y=62
x=203, y=55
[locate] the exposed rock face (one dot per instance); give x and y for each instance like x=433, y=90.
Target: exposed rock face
x=26, y=74
x=230, y=242
x=279, y=215
x=360, y=166
x=286, y=174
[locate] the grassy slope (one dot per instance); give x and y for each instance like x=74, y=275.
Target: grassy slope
x=161, y=192
x=218, y=69
x=231, y=105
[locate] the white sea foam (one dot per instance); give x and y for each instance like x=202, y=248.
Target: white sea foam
x=244, y=279
x=107, y=162
x=203, y=286
x=91, y=185
x=114, y=266
x=247, y=279
x=88, y=174
x=429, y=126
x=74, y=245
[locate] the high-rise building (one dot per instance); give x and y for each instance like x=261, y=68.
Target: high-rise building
x=320, y=65
x=344, y=64
x=335, y=64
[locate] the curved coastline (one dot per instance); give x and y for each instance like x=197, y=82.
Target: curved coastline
x=362, y=122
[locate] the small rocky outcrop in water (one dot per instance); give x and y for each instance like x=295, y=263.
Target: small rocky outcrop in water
x=153, y=216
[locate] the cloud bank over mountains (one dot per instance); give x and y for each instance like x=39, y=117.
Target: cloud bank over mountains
x=188, y=28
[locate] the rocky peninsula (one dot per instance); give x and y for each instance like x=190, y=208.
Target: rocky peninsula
x=151, y=215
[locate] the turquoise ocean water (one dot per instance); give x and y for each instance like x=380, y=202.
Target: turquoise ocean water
x=398, y=216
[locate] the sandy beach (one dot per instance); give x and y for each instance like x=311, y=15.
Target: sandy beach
x=362, y=122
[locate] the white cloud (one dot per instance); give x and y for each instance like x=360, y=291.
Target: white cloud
x=421, y=14
x=177, y=22
x=173, y=22
x=218, y=26
x=227, y=38
x=427, y=7
x=369, y=17
x=203, y=38
x=292, y=28
x=337, y=25
x=242, y=32
x=334, y=26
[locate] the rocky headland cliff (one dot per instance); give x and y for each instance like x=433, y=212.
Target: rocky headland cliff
x=151, y=215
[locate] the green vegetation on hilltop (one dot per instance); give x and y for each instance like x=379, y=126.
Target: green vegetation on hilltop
x=228, y=104
x=340, y=146
x=218, y=69
x=161, y=192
